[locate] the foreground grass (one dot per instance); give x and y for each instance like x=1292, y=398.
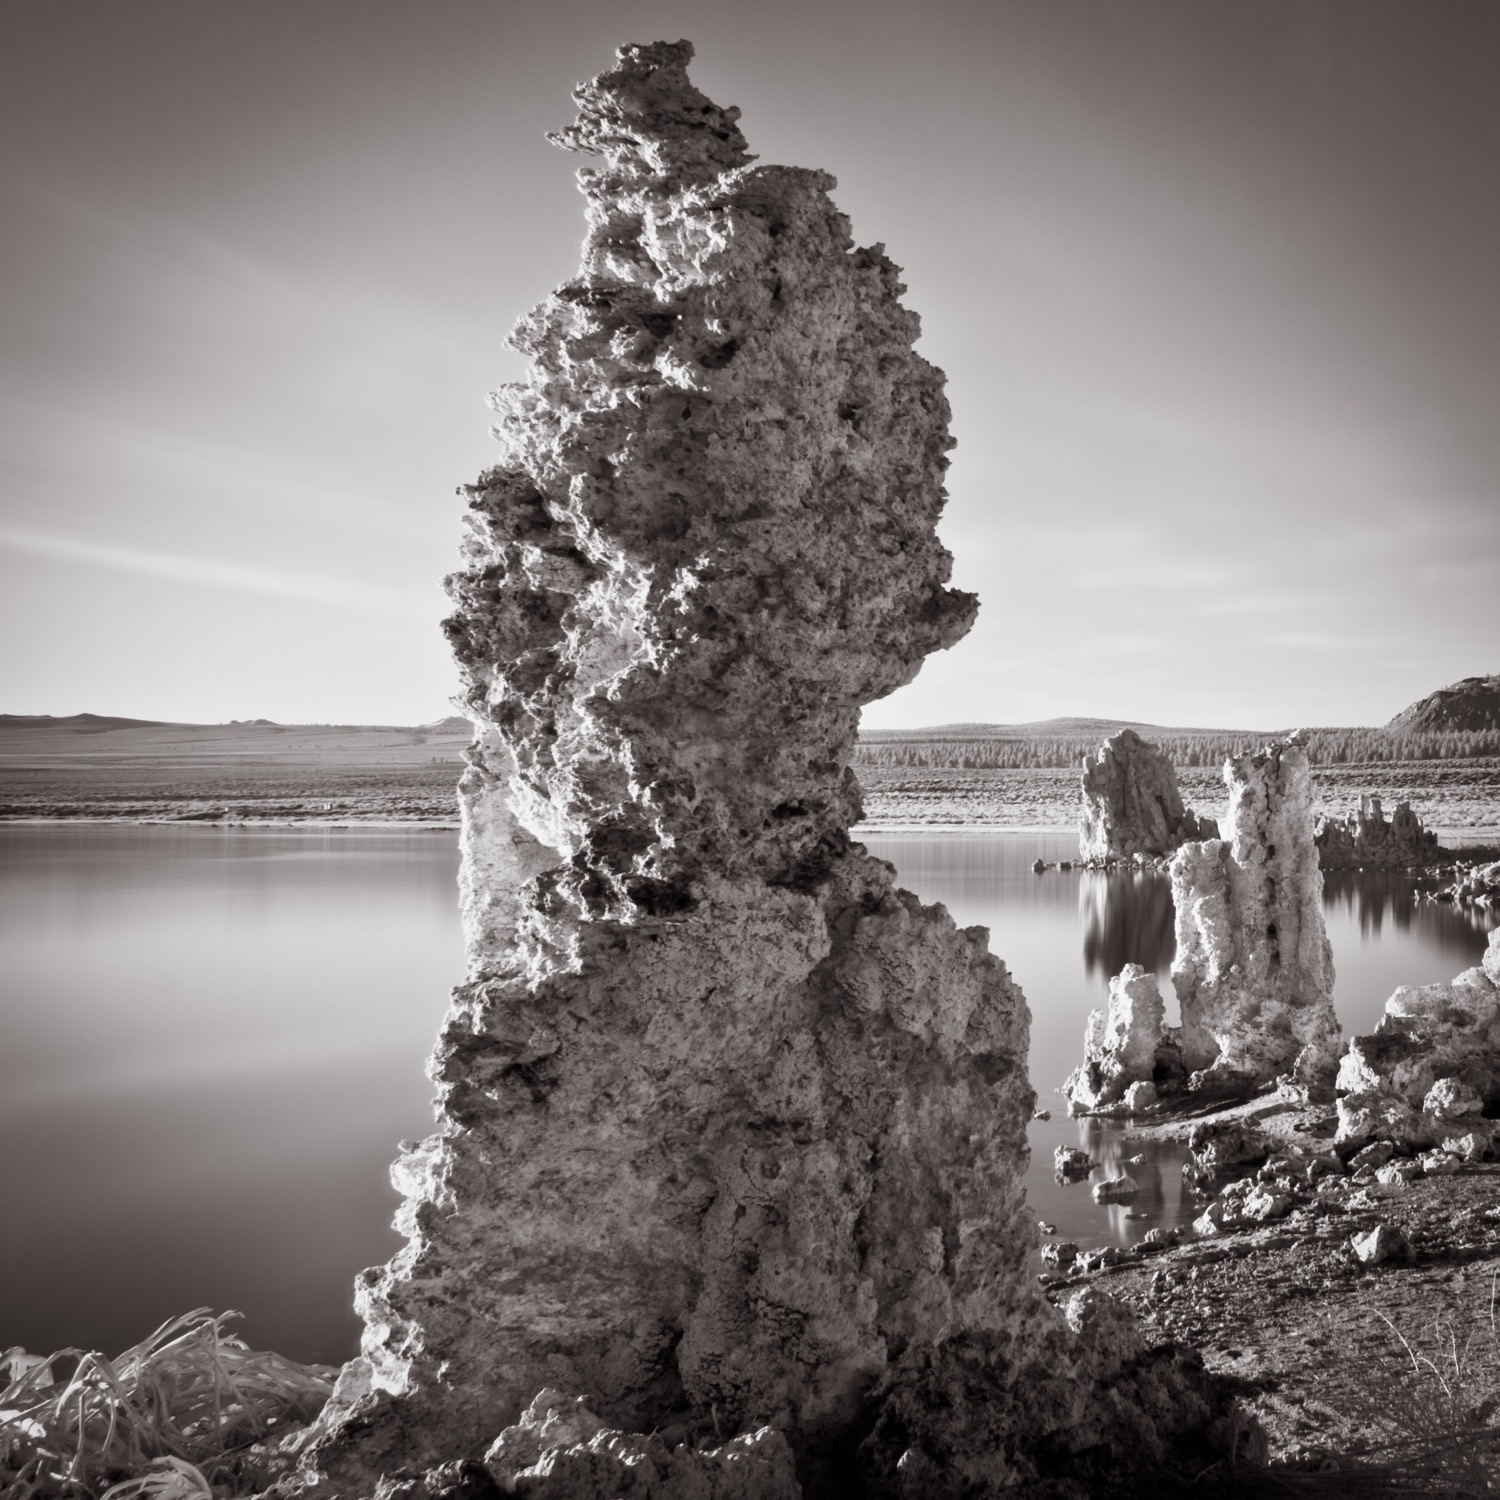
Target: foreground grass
x=173, y=1418
x=162, y=1421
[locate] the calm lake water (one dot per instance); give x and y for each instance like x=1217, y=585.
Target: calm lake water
x=211, y=1041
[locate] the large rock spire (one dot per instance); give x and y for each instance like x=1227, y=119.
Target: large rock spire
x=730, y=1127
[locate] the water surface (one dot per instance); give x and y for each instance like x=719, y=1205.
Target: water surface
x=212, y=1040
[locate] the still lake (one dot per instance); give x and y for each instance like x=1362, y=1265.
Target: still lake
x=212, y=1039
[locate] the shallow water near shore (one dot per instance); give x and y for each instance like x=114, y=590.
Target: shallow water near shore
x=212, y=1039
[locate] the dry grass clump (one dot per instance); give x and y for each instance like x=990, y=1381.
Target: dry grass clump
x=159, y=1422
x=1428, y=1410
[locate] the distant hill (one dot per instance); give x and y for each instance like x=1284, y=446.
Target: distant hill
x=80, y=723
x=1048, y=729
x=1472, y=704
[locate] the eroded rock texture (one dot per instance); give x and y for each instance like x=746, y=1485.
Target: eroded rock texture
x=1367, y=837
x=1131, y=804
x=1254, y=969
x=1437, y=1047
x=1120, y=1043
x=732, y=1130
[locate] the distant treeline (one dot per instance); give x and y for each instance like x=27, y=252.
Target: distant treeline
x=1326, y=747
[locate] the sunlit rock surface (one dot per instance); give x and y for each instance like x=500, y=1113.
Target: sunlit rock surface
x=1368, y=837
x=559, y=1448
x=1254, y=969
x=1437, y=1047
x=732, y=1130
x=1131, y=804
x=1120, y=1042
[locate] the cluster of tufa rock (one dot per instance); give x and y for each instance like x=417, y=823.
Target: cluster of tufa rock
x=732, y=1130
x=1430, y=1071
x=1253, y=971
x=1367, y=837
x=1474, y=884
x=1131, y=804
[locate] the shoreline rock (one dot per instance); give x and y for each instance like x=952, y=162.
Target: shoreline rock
x=1122, y=1046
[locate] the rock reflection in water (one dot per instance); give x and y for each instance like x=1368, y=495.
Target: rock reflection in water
x=1371, y=896
x=1127, y=918
x=1162, y=1202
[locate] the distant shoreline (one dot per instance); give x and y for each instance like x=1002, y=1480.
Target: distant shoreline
x=1459, y=840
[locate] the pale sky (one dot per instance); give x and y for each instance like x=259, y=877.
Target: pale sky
x=1214, y=283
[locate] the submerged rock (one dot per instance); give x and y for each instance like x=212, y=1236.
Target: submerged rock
x=1367, y=838
x=1131, y=804
x=1071, y=1164
x=1254, y=968
x=732, y=1130
x=1120, y=1189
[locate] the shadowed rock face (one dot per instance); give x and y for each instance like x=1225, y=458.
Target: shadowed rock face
x=1254, y=968
x=1131, y=804
x=1368, y=838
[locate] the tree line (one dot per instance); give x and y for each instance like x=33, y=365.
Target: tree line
x=1325, y=747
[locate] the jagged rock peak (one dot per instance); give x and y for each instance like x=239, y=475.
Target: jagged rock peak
x=714, y=536
x=645, y=118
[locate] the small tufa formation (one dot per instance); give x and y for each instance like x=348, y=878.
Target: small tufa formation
x=1436, y=1050
x=732, y=1131
x=1120, y=1044
x=1367, y=838
x=1254, y=968
x=1476, y=884
x=559, y=1447
x=1131, y=804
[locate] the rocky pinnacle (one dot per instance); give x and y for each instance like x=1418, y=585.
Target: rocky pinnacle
x=731, y=1129
x=1254, y=968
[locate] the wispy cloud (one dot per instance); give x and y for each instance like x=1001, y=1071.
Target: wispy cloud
x=212, y=573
